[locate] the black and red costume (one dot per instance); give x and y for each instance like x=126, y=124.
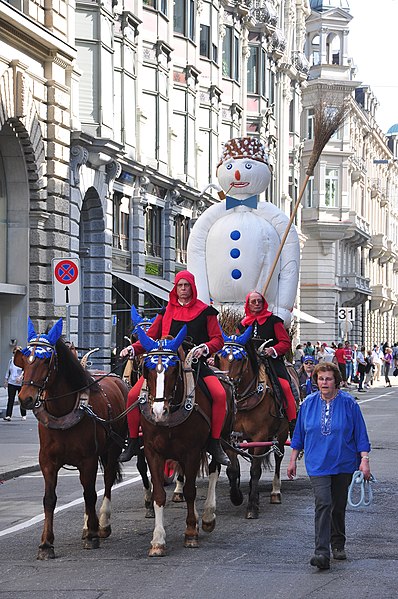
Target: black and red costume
x=269, y=327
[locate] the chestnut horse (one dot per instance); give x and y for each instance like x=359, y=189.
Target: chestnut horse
x=175, y=419
x=258, y=418
x=58, y=389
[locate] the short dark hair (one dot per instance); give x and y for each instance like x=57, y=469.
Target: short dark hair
x=327, y=367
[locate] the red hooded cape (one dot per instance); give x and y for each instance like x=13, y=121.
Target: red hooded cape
x=261, y=317
x=175, y=311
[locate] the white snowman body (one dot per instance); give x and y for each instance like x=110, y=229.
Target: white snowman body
x=231, y=252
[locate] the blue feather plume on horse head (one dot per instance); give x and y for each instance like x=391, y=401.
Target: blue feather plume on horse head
x=49, y=338
x=164, y=344
x=138, y=321
x=235, y=344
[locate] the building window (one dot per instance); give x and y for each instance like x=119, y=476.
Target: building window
x=153, y=231
x=3, y=224
x=309, y=194
x=121, y=220
x=331, y=188
x=310, y=123
x=181, y=238
x=230, y=54
x=184, y=18
x=271, y=91
x=256, y=70
x=160, y=5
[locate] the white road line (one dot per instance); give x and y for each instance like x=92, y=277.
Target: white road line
x=61, y=508
x=373, y=398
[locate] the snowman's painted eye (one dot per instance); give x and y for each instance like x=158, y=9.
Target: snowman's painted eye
x=248, y=165
x=228, y=166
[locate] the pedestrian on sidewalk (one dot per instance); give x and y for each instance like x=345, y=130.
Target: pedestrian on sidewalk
x=388, y=360
x=332, y=432
x=361, y=362
x=369, y=369
x=12, y=383
x=377, y=355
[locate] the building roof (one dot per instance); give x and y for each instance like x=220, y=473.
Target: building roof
x=393, y=130
x=321, y=5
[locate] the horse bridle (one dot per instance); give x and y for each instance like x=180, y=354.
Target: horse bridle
x=169, y=354
x=237, y=380
x=52, y=366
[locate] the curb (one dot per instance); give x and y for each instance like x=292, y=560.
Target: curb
x=18, y=472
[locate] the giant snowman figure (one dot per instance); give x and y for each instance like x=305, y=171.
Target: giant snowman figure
x=234, y=243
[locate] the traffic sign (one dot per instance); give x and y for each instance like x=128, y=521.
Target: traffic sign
x=66, y=281
x=346, y=314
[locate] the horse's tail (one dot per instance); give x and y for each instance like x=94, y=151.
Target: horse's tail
x=118, y=469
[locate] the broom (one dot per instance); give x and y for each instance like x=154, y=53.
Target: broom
x=327, y=119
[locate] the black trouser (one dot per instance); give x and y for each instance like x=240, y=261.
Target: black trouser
x=12, y=391
x=330, y=504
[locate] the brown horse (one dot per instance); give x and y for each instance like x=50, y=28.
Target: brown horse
x=175, y=419
x=258, y=419
x=58, y=389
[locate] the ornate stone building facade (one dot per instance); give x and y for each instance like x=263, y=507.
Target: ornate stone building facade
x=112, y=117
x=349, y=215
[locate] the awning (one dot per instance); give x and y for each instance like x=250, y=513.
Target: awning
x=142, y=285
x=306, y=317
x=162, y=283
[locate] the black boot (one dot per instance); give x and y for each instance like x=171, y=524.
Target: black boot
x=214, y=449
x=292, y=426
x=132, y=449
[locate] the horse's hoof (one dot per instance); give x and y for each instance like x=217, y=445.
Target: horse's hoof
x=191, y=542
x=157, y=551
x=178, y=498
x=209, y=526
x=45, y=553
x=252, y=515
x=93, y=543
x=275, y=498
x=105, y=532
x=236, y=497
x=149, y=512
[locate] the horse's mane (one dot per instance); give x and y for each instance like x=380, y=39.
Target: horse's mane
x=252, y=355
x=71, y=370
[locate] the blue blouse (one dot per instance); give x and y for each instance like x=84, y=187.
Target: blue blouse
x=332, y=435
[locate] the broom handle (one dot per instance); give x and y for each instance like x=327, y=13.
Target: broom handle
x=286, y=233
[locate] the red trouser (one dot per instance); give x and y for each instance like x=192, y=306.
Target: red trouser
x=218, y=406
x=291, y=404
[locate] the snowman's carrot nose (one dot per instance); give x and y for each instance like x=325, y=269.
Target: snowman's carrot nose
x=237, y=175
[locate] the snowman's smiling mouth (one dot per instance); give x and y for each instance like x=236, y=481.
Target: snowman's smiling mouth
x=240, y=183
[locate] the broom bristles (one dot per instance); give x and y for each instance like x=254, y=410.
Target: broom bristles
x=329, y=115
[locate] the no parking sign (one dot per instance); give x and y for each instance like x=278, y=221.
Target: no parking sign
x=66, y=281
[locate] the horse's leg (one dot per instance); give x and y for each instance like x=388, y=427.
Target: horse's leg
x=233, y=473
x=142, y=468
x=276, y=496
x=209, y=513
x=112, y=473
x=88, y=475
x=253, y=504
x=158, y=543
x=46, y=547
x=178, y=495
x=192, y=530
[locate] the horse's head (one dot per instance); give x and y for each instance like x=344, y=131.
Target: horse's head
x=161, y=369
x=38, y=361
x=233, y=357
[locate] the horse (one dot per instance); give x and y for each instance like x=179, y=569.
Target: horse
x=258, y=419
x=62, y=395
x=175, y=419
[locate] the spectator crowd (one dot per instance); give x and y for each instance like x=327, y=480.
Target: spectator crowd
x=357, y=365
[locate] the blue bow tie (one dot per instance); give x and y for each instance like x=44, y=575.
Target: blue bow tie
x=249, y=202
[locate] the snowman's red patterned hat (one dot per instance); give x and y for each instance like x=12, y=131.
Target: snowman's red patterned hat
x=244, y=147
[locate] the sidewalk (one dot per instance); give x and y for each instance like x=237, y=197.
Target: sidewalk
x=19, y=442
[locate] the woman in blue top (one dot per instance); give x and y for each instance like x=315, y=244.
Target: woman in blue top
x=331, y=430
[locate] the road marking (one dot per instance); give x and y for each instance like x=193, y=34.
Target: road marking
x=61, y=508
x=373, y=398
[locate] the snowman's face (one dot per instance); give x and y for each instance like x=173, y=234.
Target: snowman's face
x=243, y=177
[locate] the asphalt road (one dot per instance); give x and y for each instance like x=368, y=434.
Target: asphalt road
x=264, y=558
